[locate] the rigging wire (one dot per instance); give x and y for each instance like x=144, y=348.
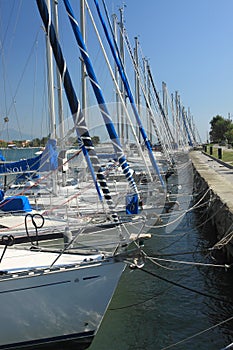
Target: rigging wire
x=185, y=233
x=22, y=74
x=3, y=54
x=176, y=212
x=181, y=235
x=224, y=241
x=13, y=98
x=185, y=212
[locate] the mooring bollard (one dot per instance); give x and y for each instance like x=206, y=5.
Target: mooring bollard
x=219, y=153
x=211, y=150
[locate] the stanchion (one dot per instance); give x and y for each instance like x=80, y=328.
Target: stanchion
x=205, y=148
x=219, y=153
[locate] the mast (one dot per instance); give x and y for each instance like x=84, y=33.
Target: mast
x=79, y=122
x=192, y=126
x=137, y=88
x=125, y=110
x=50, y=82
x=130, y=96
x=114, y=23
x=123, y=125
x=100, y=99
x=62, y=158
x=148, y=95
x=83, y=67
x=167, y=128
x=186, y=126
x=165, y=105
x=173, y=116
x=58, y=79
x=160, y=106
x=148, y=101
x=177, y=119
x=51, y=101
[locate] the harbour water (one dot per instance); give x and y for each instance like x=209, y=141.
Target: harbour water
x=171, y=305
x=12, y=154
x=148, y=313
x=16, y=154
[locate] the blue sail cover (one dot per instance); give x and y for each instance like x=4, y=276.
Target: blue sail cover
x=15, y=204
x=2, y=158
x=25, y=165
x=47, y=161
x=49, y=157
x=132, y=204
x=1, y=195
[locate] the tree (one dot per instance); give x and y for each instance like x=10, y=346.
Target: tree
x=221, y=129
x=35, y=143
x=229, y=135
x=95, y=140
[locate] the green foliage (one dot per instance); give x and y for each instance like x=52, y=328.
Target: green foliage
x=95, y=140
x=221, y=129
x=35, y=143
x=42, y=142
x=229, y=134
x=3, y=144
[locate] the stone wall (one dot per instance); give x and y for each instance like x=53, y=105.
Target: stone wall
x=218, y=213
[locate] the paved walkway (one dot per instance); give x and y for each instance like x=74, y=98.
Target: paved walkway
x=218, y=176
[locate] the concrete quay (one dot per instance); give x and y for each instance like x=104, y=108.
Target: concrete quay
x=218, y=178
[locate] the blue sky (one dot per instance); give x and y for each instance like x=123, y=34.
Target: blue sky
x=189, y=45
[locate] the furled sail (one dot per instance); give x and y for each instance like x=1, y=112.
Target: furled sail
x=100, y=99
x=74, y=104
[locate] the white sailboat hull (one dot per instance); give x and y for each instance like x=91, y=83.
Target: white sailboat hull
x=57, y=305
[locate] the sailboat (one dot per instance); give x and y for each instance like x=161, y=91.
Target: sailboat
x=52, y=297
x=56, y=293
